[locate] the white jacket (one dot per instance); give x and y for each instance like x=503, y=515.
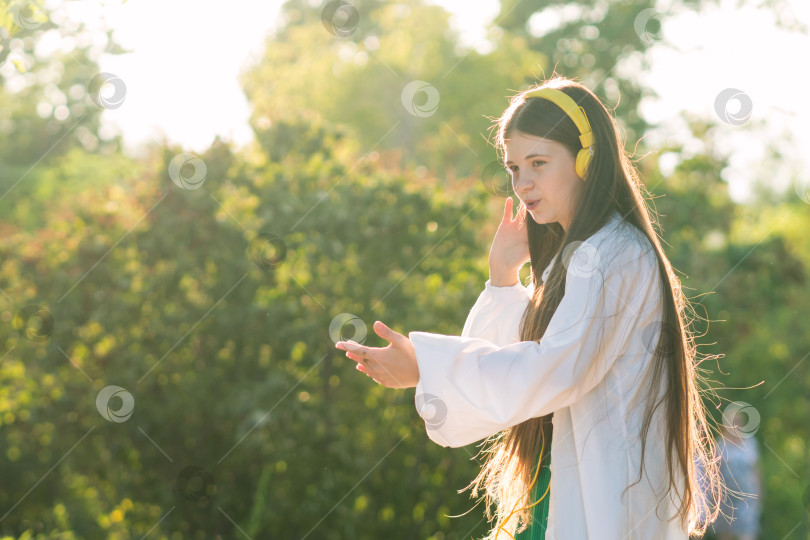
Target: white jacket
x=585, y=370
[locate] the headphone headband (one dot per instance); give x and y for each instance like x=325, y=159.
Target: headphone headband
x=580, y=119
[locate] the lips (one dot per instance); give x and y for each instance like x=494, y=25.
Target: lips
x=532, y=204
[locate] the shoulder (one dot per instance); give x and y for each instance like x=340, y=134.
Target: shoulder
x=619, y=246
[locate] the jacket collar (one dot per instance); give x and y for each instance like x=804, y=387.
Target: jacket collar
x=614, y=219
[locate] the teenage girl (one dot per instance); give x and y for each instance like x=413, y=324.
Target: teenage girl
x=595, y=351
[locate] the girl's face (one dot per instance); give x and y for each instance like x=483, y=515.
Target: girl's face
x=543, y=170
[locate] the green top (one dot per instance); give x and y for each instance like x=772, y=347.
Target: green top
x=537, y=528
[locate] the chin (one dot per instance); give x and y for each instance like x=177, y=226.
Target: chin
x=541, y=220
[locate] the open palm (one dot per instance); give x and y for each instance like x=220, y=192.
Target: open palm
x=393, y=366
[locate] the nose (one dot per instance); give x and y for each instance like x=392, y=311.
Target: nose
x=522, y=185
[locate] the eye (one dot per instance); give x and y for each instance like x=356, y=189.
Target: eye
x=512, y=168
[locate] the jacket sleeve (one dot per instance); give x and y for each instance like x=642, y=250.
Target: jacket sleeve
x=496, y=314
x=470, y=387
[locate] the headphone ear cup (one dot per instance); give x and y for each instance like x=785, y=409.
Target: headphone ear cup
x=583, y=159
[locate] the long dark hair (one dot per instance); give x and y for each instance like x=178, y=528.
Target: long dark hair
x=612, y=184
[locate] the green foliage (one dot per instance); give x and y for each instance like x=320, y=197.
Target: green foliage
x=213, y=306
x=357, y=81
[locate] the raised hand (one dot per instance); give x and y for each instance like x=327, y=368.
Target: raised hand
x=510, y=247
x=394, y=366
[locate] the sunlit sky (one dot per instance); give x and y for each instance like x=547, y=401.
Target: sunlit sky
x=182, y=76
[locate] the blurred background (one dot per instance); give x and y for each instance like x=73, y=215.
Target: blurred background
x=197, y=200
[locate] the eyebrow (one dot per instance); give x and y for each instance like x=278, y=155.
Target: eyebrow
x=531, y=156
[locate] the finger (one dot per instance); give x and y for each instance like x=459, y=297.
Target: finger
x=507, y=210
x=387, y=333
x=367, y=373
x=349, y=346
x=356, y=357
x=354, y=347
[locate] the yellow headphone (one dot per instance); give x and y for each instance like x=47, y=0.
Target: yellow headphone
x=577, y=114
